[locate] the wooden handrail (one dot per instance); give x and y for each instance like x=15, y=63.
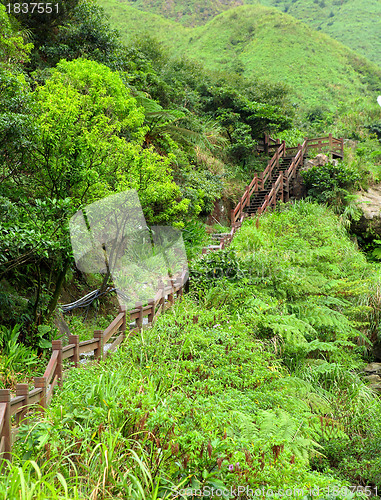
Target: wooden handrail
x=50, y=369
x=44, y=386
x=42, y=393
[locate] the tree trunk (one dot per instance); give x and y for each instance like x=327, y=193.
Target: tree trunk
x=57, y=292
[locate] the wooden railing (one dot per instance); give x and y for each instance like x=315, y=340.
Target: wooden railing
x=330, y=144
x=280, y=189
x=42, y=392
x=39, y=397
x=258, y=183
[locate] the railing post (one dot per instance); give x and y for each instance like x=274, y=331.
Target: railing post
x=306, y=143
x=151, y=303
x=139, y=320
x=319, y=144
x=267, y=203
x=22, y=390
x=98, y=352
x=57, y=346
x=74, y=339
x=342, y=146
x=171, y=296
x=276, y=162
x=284, y=148
x=232, y=216
x=40, y=383
x=162, y=298
x=330, y=142
x=281, y=187
x=5, y=397
x=286, y=185
x=248, y=196
x=181, y=289
x=122, y=310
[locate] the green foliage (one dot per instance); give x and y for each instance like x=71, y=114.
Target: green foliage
x=14, y=357
x=331, y=183
x=85, y=33
x=250, y=379
x=248, y=38
x=13, y=50
x=82, y=131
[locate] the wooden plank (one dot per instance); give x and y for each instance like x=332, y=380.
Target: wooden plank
x=2, y=444
x=14, y=434
x=3, y=407
x=67, y=347
x=157, y=314
x=16, y=404
x=50, y=369
x=135, y=314
x=34, y=395
x=113, y=327
x=88, y=345
x=69, y=352
x=158, y=296
x=16, y=400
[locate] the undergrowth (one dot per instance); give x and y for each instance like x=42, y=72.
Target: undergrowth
x=253, y=379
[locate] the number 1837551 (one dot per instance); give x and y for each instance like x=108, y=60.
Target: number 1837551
x=32, y=7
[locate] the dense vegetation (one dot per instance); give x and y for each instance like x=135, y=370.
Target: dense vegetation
x=260, y=42
x=254, y=378
x=355, y=23
x=83, y=116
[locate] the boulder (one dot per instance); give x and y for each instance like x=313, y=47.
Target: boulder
x=373, y=368
x=319, y=160
x=373, y=379
x=375, y=387
x=369, y=225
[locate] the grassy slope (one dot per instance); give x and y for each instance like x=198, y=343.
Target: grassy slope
x=260, y=41
x=188, y=13
x=356, y=23
x=250, y=365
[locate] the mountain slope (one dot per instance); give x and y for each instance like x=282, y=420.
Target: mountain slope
x=189, y=12
x=356, y=23
x=264, y=43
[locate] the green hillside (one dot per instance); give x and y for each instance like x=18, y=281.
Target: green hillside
x=261, y=42
x=356, y=23
x=188, y=13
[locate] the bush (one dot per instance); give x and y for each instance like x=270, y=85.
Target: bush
x=330, y=183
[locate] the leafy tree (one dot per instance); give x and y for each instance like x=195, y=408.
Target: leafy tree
x=42, y=25
x=13, y=50
x=85, y=33
x=84, y=116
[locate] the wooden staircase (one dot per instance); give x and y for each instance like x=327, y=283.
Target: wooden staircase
x=276, y=182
